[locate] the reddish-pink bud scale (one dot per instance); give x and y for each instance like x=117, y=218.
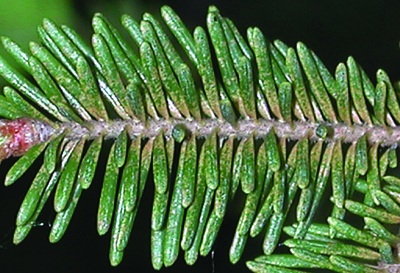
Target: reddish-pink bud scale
x=19, y=135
